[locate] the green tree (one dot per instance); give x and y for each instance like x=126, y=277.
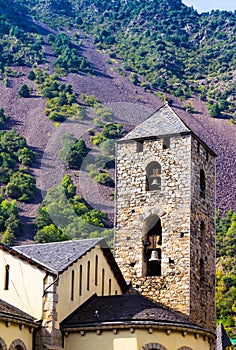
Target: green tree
x=50, y=233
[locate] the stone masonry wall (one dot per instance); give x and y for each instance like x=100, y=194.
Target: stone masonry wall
x=134, y=204
x=202, y=262
x=49, y=334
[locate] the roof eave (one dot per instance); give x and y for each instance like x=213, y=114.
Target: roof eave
x=25, y=258
x=93, y=326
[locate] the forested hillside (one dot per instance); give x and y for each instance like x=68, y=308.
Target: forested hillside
x=76, y=76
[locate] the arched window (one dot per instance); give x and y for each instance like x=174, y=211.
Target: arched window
x=17, y=345
x=153, y=176
x=3, y=345
x=6, y=277
x=152, y=241
x=185, y=348
x=202, y=183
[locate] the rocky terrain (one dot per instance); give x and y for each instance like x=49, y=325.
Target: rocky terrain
x=130, y=105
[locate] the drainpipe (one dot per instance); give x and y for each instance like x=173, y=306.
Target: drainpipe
x=56, y=279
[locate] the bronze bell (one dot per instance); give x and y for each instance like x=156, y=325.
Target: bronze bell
x=154, y=256
x=154, y=182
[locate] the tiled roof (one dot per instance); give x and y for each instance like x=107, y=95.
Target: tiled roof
x=163, y=122
x=222, y=339
x=10, y=312
x=57, y=256
x=123, y=309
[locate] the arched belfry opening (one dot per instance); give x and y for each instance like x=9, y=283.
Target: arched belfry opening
x=153, y=176
x=152, y=242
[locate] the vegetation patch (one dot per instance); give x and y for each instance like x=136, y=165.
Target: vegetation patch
x=64, y=216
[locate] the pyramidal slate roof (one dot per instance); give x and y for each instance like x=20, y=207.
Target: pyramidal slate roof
x=126, y=309
x=163, y=122
x=57, y=256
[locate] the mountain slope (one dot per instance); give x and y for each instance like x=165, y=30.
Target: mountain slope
x=110, y=83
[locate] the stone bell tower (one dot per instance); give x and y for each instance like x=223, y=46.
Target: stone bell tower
x=165, y=215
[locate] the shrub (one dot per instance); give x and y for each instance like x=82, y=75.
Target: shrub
x=21, y=186
x=108, y=148
x=73, y=151
x=133, y=78
x=90, y=100
x=3, y=118
x=24, y=91
x=31, y=75
x=25, y=156
x=104, y=179
x=111, y=130
x=8, y=238
x=214, y=110
x=50, y=233
x=9, y=217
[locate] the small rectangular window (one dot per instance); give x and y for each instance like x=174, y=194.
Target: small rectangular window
x=96, y=271
x=166, y=142
x=6, y=277
x=80, y=279
x=109, y=287
x=198, y=147
x=88, y=275
x=72, y=284
x=139, y=146
x=103, y=280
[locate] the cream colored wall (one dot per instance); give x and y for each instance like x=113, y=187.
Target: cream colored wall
x=65, y=304
x=12, y=332
x=25, y=285
x=126, y=340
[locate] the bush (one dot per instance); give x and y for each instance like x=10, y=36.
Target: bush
x=31, y=75
x=111, y=130
x=8, y=238
x=104, y=179
x=108, y=148
x=214, y=110
x=70, y=213
x=24, y=91
x=25, y=156
x=3, y=118
x=133, y=78
x=90, y=100
x=50, y=233
x=21, y=186
x=73, y=151
x=9, y=217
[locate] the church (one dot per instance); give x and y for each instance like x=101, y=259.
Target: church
x=157, y=289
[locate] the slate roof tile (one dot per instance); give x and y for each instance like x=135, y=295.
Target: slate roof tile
x=123, y=308
x=163, y=122
x=222, y=340
x=57, y=256
x=9, y=311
